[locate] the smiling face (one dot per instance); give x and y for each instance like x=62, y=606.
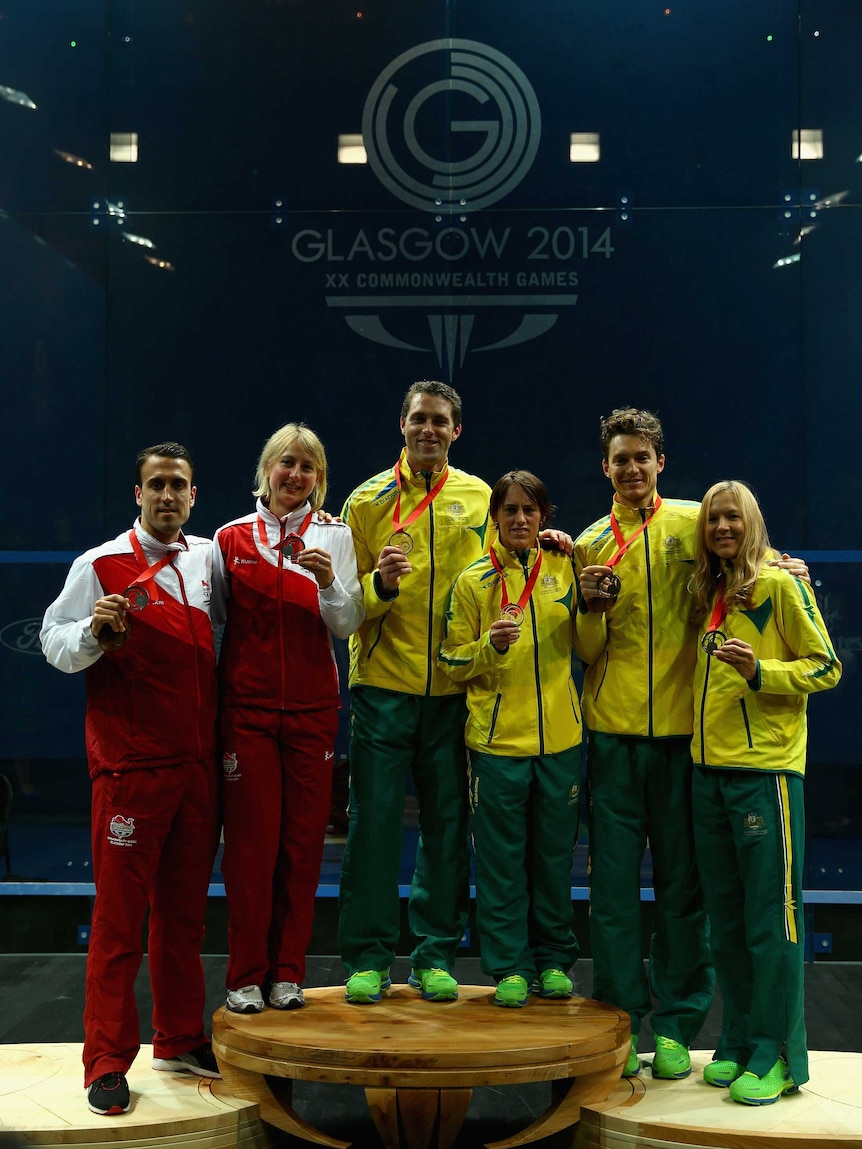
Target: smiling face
x=633, y=469
x=428, y=429
x=725, y=527
x=165, y=496
x=291, y=480
x=518, y=520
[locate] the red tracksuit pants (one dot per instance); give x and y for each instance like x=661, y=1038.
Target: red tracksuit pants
x=154, y=837
x=277, y=791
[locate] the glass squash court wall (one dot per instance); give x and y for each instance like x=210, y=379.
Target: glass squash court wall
x=563, y=207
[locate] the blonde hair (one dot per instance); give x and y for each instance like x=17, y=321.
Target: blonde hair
x=740, y=575
x=279, y=444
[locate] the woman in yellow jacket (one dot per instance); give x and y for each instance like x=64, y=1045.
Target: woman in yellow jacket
x=509, y=637
x=764, y=648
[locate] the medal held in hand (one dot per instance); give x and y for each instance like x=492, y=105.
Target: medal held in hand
x=403, y=541
x=712, y=640
x=292, y=546
x=609, y=586
x=137, y=596
x=512, y=612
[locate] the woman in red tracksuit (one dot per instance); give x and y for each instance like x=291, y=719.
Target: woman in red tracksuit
x=284, y=582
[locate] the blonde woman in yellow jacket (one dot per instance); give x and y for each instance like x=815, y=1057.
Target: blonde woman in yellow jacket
x=764, y=648
x=509, y=637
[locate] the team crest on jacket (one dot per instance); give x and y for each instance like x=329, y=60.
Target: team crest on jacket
x=121, y=830
x=673, y=548
x=230, y=765
x=753, y=825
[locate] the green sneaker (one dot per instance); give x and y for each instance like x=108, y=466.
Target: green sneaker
x=671, y=1061
x=435, y=984
x=633, y=1065
x=512, y=991
x=749, y=1089
x=552, y=983
x=367, y=986
x=722, y=1073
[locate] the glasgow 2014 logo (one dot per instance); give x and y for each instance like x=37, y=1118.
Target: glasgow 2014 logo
x=403, y=107
x=450, y=128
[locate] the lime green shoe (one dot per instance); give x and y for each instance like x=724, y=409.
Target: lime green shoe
x=435, y=984
x=367, y=986
x=722, y=1073
x=749, y=1089
x=633, y=1065
x=671, y=1061
x=512, y=991
x=552, y=983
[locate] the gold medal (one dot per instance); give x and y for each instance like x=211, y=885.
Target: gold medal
x=403, y=541
x=511, y=612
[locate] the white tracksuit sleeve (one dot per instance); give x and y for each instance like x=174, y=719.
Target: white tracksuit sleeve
x=67, y=640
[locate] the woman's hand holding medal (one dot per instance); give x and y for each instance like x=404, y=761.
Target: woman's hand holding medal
x=738, y=654
x=504, y=632
x=317, y=562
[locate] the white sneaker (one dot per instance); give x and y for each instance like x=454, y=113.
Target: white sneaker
x=249, y=999
x=286, y=995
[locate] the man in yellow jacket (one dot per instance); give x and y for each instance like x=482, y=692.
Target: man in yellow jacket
x=634, y=633
x=416, y=526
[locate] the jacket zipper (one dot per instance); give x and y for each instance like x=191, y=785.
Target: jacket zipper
x=430, y=665
x=649, y=600
x=539, y=702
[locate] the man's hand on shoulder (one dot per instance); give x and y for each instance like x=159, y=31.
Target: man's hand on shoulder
x=797, y=567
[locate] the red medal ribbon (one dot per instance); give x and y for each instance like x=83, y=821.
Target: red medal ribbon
x=261, y=530
x=528, y=588
x=623, y=543
x=397, y=525
x=150, y=572
x=719, y=611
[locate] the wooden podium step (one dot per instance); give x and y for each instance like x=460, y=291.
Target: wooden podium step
x=42, y=1098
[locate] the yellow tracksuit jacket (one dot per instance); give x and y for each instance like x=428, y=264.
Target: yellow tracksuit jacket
x=763, y=726
x=395, y=648
x=522, y=703
x=640, y=653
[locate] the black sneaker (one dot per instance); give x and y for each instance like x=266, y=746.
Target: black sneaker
x=200, y=1061
x=109, y=1095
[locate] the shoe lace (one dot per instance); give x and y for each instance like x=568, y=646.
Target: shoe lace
x=666, y=1043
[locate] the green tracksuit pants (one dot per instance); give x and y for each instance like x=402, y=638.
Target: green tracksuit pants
x=640, y=790
x=525, y=826
x=750, y=833
x=393, y=735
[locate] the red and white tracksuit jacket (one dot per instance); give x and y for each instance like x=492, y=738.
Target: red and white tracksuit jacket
x=279, y=702
x=150, y=735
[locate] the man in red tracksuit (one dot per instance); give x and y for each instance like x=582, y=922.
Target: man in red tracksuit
x=134, y=615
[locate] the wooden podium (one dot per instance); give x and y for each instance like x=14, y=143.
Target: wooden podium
x=419, y=1061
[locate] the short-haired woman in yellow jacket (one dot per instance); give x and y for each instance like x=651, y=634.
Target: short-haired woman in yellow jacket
x=509, y=637
x=764, y=649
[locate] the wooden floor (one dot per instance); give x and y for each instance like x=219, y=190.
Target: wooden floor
x=41, y=1097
